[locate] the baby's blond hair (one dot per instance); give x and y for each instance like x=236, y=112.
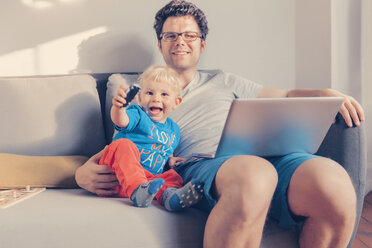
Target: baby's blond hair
x=159, y=73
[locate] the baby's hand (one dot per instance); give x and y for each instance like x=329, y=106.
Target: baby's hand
x=174, y=161
x=119, y=99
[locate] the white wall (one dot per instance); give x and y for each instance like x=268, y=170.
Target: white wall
x=346, y=47
x=367, y=79
x=252, y=38
x=313, y=43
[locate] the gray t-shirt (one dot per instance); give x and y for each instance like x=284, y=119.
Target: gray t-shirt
x=206, y=102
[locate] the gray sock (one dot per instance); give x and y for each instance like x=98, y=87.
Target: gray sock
x=176, y=199
x=145, y=193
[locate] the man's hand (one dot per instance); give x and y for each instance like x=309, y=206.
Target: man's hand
x=98, y=179
x=173, y=161
x=350, y=109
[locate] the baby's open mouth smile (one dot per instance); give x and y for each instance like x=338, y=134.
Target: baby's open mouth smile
x=156, y=110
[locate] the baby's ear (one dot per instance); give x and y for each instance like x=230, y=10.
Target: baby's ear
x=178, y=101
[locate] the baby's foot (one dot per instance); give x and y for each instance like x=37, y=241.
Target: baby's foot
x=177, y=199
x=145, y=193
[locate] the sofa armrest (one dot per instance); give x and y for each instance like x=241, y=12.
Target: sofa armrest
x=347, y=146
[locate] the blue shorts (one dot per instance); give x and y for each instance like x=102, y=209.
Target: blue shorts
x=205, y=170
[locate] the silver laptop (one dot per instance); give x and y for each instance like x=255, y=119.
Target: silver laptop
x=277, y=126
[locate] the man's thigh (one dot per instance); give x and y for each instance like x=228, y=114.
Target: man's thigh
x=315, y=188
x=286, y=167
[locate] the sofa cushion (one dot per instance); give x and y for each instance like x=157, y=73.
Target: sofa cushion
x=74, y=218
x=50, y=115
x=39, y=171
x=113, y=84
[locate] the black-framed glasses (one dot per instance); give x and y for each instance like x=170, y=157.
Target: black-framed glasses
x=173, y=36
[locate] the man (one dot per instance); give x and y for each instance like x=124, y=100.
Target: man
x=302, y=189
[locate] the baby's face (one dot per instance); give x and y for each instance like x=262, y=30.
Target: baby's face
x=158, y=99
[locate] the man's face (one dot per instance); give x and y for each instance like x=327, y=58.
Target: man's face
x=181, y=55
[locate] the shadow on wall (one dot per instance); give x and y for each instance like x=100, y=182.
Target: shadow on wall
x=79, y=130
x=114, y=52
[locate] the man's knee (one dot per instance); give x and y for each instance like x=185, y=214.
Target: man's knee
x=340, y=200
x=322, y=188
x=248, y=182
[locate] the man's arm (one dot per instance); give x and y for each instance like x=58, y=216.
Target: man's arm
x=350, y=110
x=98, y=179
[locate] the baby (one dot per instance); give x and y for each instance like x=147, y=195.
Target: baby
x=146, y=140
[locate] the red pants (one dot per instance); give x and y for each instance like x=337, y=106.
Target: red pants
x=123, y=157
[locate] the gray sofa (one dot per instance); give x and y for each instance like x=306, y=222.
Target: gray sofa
x=68, y=115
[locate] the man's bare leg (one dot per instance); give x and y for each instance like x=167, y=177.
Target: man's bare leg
x=244, y=187
x=321, y=190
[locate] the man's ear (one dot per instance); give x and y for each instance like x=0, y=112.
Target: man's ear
x=202, y=45
x=159, y=45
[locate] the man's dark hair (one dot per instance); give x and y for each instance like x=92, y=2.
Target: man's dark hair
x=181, y=8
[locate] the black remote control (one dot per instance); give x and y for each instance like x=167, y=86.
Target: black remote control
x=131, y=93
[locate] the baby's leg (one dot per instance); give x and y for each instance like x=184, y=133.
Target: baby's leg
x=145, y=193
x=123, y=158
x=175, y=199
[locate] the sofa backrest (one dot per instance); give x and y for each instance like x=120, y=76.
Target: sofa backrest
x=50, y=115
x=107, y=86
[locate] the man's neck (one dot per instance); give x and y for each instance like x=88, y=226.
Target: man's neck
x=187, y=76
